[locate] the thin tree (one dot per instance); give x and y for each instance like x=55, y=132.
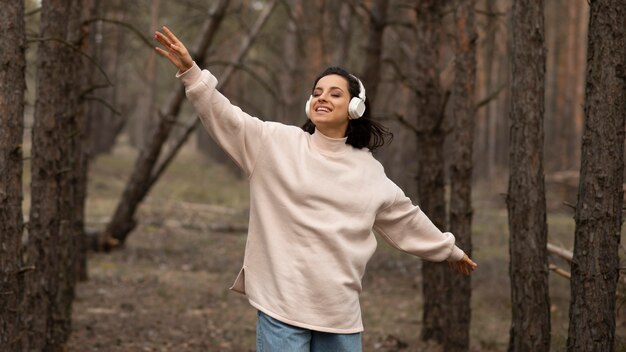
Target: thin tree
x=463, y=110
x=13, y=63
x=526, y=203
x=595, y=266
x=293, y=65
x=149, y=168
x=137, y=187
x=430, y=135
x=373, y=50
x=56, y=135
x=105, y=47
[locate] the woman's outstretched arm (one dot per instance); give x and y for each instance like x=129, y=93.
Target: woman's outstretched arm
x=174, y=50
x=240, y=135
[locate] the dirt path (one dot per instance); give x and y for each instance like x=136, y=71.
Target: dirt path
x=168, y=291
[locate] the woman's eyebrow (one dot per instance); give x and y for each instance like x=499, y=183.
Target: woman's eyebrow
x=331, y=88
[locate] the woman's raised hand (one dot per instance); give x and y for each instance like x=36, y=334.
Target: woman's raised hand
x=175, y=50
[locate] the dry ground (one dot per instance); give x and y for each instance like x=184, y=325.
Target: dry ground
x=167, y=290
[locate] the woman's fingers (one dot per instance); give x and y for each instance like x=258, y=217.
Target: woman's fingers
x=171, y=35
x=464, y=266
x=173, y=49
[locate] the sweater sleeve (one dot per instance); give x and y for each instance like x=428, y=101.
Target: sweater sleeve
x=407, y=228
x=239, y=134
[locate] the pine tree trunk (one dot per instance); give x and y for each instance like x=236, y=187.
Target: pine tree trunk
x=373, y=51
x=292, y=110
x=430, y=140
x=80, y=144
x=595, y=268
x=13, y=63
x=530, y=326
x=104, y=123
x=57, y=139
x=458, y=308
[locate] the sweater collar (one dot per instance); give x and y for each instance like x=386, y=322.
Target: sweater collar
x=327, y=145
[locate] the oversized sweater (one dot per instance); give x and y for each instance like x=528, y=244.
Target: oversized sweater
x=314, y=202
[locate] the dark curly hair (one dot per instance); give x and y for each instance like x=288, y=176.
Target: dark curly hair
x=362, y=132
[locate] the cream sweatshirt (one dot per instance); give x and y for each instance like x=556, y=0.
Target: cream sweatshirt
x=314, y=202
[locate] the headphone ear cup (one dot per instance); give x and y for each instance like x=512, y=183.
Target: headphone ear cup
x=307, y=107
x=356, y=108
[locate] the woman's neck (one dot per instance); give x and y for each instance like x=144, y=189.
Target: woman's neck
x=333, y=132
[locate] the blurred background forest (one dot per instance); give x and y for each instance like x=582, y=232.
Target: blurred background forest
x=149, y=171
x=299, y=40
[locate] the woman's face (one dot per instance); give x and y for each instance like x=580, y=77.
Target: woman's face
x=329, y=103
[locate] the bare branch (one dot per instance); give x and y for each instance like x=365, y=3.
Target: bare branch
x=129, y=26
x=403, y=24
x=76, y=49
x=251, y=72
x=560, y=271
x=570, y=205
x=403, y=78
x=490, y=97
x=490, y=14
x=103, y=102
x=33, y=12
x=404, y=122
x=355, y=8
x=560, y=252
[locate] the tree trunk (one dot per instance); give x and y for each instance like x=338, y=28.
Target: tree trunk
x=530, y=301
x=458, y=311
x=343, y=33
x=104, y=121
x=144, y=117
x=57, y=137
x=13, y=63
x=430, y=101
x=80, y=144
x=595, y=267
x=292, y=110
x=373, y=50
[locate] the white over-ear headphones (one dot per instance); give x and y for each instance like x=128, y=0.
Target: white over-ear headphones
x=356, y=108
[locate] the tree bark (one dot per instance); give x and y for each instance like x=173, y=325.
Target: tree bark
x=463, y=92
x=104, y=121
x=13, y=83
x=595, y=266
x=530, y=301
x=57, y=139
x=80, y=144
x=291, y=108
x=373, y=50
x=145, y=115
x=430, y=137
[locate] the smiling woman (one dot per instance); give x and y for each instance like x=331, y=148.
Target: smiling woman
x=334, y=86
x=316, y=195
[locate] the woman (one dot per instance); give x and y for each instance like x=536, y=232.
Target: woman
x=316, y=193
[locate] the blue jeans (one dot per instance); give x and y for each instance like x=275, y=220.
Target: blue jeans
x=275, y=336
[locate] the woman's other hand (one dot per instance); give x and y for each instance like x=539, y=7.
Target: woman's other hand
x=173, y=49
x=464, y=266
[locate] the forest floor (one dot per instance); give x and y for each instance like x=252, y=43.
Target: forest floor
x=167, y=289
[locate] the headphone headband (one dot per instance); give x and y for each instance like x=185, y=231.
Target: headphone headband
x=361, y=88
